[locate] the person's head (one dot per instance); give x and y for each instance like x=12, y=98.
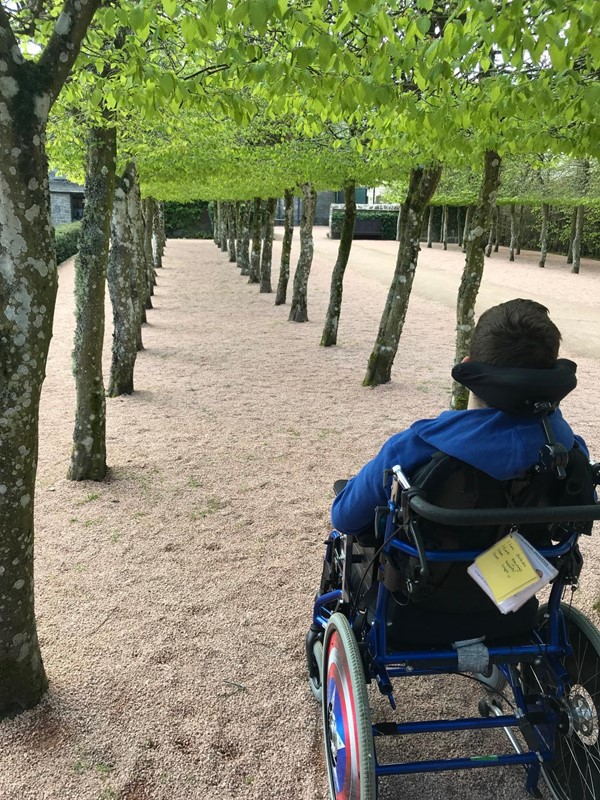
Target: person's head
x=518, y=333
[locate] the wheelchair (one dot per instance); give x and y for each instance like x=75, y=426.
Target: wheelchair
x=399, y=603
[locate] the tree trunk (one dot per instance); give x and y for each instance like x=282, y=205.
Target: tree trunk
x=88, y=456
x=513, y=233
x=577, y=240
x=243, y=254
x=286, y=247
x=496, y=230
x=493, y=231
x=544, y=235
x=429, y=227
x=224, y=237
x=217, y=223
x=157, y=245
x=445, y=227
x=138, y=275
x=231, y=234
x=239, y=233
x=519, y=227
x=121, y=288
x=473, y=269
x=572, y=236
x=298, y=310
x=28, y=282
x=330, y=329
x=148, y=217
x=267, y=248
x=465, y=234
x=398, y=223
x=458, y=227
x=422, y=185
x=254, y=274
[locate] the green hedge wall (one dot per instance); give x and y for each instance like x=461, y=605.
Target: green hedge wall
x=188, y=220
x=66, y=240
x=388, y=221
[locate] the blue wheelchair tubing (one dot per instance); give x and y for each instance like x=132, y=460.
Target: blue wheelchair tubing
x=384, y=666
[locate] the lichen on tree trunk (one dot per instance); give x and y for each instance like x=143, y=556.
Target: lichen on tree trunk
x=330, y=329
x=119, y=278
x=422, y=185
x=299, y=306
x=88, y=456
x=473, y=269
x=267, y=248
x=286, y=247
x=429, y=227
x=544, y=235
x=254, y=273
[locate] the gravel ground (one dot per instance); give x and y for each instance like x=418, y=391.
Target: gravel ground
x=173, y=598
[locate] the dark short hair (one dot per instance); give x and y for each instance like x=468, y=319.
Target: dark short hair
x=518, y=333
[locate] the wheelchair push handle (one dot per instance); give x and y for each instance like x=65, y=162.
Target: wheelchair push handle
x=499, y=516
x=490, y=516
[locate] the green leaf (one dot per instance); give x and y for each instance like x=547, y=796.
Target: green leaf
x=219, y=7
x=259, y=14
x=426, y=5
x=136, y=18
x=423, y=25
x=170, y=7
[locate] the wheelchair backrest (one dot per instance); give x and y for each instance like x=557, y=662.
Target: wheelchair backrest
x=450, y=483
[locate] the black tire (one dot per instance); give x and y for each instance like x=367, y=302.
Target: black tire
x=348, y=735
x=316, y=683
x=574, y=773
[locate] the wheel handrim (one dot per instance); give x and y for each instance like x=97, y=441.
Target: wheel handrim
x=341, y=726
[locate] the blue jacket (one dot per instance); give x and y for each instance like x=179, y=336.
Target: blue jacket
x=499, y=444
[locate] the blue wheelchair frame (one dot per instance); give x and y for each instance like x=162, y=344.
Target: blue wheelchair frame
x=384, y=665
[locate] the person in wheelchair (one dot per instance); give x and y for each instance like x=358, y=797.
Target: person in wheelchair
x=511, y=446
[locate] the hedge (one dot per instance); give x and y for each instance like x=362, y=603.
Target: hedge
x=66, y=240
x=188, y=220
x=388, y=221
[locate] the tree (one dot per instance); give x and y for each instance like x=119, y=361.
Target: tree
x=88, y=457
x=267, y=247
x=122, y=284
x=473, y=270
x=423, y=182
x=298, y=309
x=329, y=335
x=286, y=247
x=28, y=283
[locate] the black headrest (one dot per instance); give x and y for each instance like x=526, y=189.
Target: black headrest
x=516, y=390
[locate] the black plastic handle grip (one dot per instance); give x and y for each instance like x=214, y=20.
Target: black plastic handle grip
x=499, y=516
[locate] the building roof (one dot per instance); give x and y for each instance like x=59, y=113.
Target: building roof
x=59, y=183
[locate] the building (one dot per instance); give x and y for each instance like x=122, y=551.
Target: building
x=324, y=201
x=66, y=200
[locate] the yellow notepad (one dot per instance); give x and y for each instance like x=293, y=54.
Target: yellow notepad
x=506, y=568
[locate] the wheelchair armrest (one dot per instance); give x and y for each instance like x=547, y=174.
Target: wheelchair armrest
x=499, y=516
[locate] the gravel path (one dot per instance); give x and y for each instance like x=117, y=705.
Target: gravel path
x=173, y=598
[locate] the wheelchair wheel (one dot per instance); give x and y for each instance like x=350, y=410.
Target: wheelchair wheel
x=349, y=746
x=574, y=774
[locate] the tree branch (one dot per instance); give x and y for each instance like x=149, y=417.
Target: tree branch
x=65, y=42
x=7, y=39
